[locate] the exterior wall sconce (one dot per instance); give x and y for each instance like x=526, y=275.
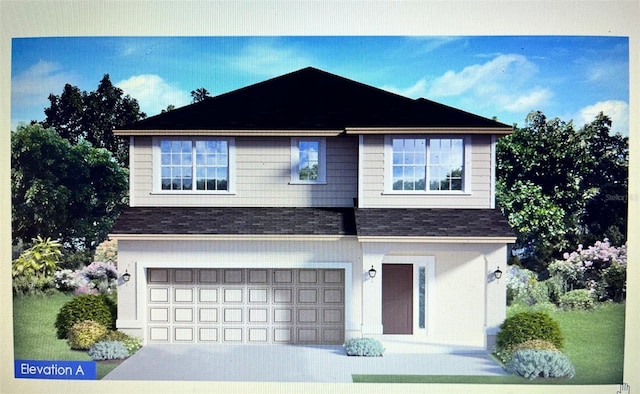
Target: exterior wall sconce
x=126, y=276
x=372, y=273
x=497, y=273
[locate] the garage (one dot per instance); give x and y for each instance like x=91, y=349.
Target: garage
x=245, y=305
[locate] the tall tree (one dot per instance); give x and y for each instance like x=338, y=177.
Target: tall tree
x=199, y=94
x=92, y=116
x=554, y=182
x=63, y=191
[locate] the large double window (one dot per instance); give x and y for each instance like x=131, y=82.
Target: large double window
x=201, y=165
x=425, y=164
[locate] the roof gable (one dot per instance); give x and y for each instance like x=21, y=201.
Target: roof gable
x=312, y=99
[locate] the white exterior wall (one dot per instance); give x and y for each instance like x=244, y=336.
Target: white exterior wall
x=263, y=176
x=372, y=194
x=465, y=303
x=136, y=256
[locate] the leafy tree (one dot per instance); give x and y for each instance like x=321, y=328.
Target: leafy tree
x=555, y=182
x=63, y=191
x=39, y=260
x=92, y=116
x=199, y=94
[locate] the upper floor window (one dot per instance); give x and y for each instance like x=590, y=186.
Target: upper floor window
x=203, y=164
x=425, y=164
x=308, y=160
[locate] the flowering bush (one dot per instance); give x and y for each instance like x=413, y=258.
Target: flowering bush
x=600, y=268
x=107, y=251
x=523, y=287
x=96, y=278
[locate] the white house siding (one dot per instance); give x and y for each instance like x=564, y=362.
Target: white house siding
x=137, y=257
x=460, y=310
x=263, y=176
x=373, y=179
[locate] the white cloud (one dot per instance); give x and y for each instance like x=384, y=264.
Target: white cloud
x=153, y=93
x=616, y=110
x=37, y=82
x=500, y=84
x=268, y=59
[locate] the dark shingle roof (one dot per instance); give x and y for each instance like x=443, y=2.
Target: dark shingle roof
x=235, y=221
x=379, y=222
x=311, y=99
x=312, y=221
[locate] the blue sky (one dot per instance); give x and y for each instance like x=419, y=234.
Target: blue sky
x=507, y=77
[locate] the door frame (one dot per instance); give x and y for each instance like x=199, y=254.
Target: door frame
x=428, y=263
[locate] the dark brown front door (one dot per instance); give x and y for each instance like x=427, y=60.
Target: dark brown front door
x=397, y=298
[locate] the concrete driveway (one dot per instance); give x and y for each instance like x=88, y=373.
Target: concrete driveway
x=288, y=363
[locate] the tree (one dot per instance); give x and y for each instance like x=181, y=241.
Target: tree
x=62, y=191
x=554, y=184
x=199, y=95
x=92, y=116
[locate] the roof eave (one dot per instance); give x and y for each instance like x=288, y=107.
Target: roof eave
x=418, y=239
x=430, y=130
x=229, y=133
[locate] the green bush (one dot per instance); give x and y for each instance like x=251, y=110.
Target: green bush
x=525, y=326
x=531, y=364
x=132, y=344
x=533, y=344
x=577, y=299
x=108, y=350
x=29, y=283
x=98, y=308
x=83, y=334
x=368, y=347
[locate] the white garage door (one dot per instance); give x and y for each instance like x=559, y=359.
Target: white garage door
x=245, y=305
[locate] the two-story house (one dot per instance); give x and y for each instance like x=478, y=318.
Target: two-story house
x=310, y=209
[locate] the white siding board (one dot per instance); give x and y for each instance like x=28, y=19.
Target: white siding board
x=263, y=176
x=374, y=176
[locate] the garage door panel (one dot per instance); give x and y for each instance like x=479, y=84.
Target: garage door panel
x=183, y=295
x=228, y=305
x=208, y=295
x=232, y=276
x=258, y=296
x=183, y=276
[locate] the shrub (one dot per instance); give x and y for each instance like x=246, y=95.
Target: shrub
x=132, y=344
x=82, y=335
x=29, y=283
x=525, y=326
x=531, y=364
x=96, y=278
x=577, y=299
x=532, y=344
x=107, y=251
x=65, y=280
x=108, y=350
x=368, y=347
x=98, y=308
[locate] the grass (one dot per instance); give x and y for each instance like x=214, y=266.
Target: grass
x=35, y=334
x=594, y=342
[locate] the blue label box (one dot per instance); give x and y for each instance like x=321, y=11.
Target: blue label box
x=48, y=369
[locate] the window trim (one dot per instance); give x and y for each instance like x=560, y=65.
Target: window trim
x=157, y=177
x=295, y=161
x=388, y=164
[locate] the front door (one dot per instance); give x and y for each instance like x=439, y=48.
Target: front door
x=397, y=298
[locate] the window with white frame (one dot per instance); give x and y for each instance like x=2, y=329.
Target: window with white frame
x=308, y=160
x=200, y=165
x=425, y=164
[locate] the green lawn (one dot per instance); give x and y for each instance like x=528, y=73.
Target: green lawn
x=594, y=342
x=35, y=334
